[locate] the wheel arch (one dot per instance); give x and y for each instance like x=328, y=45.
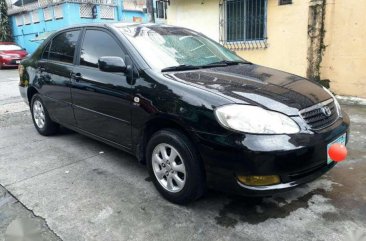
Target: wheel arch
x=158, y=123
x=30, y=93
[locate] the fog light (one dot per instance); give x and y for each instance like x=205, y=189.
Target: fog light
x=259, y=180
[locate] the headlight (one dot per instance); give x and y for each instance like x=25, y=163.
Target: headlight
x=337, y=105
x=253, y=119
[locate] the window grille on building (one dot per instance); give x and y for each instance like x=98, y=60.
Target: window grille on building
x=284, y=2
x=35, y=16
x=106, y=12
x=57, y=9
x=161, y=9
x=243, y=24
x=86, y=11
x=19, y=19
x=27, y=18
x=47, y=12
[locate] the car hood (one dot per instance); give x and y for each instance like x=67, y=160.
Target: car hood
x=18, y=53
x=257, y=85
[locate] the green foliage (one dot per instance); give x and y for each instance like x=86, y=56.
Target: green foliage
x=5, y=33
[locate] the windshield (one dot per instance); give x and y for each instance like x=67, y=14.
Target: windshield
x=163, y=46
x=9, y=47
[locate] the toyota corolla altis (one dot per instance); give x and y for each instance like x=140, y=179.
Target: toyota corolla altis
x=195, y=113
x=11, y=54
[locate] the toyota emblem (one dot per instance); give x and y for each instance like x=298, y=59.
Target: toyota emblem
x=326, y=111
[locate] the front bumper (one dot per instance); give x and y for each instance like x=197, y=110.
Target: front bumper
x=297, y=159
x=10, y=62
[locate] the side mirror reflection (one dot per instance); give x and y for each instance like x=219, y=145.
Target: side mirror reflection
x=112, y=64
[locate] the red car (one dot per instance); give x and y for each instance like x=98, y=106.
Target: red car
x=11, y=54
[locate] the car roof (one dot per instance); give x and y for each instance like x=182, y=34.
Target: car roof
x=118, y=25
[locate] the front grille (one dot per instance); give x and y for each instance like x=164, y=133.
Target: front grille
x=316, y=117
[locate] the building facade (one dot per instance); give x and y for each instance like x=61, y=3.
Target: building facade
x=319, y=39
x=33, y=21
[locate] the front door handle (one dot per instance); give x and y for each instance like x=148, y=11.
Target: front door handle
x=76, y=76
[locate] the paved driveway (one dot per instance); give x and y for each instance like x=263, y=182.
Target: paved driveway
x=80, y=189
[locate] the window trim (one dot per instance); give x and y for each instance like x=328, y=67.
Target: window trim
x=60, y=7
x=35, y=13
x=19, y=20
x=27, y=18
x=50, y=9
x=245, y=44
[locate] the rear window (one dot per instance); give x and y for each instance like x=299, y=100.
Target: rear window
x=63, y=47
x=9, y=47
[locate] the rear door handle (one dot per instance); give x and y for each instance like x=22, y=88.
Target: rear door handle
x=76, y=76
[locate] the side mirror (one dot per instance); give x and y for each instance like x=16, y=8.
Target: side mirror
x=112, y=64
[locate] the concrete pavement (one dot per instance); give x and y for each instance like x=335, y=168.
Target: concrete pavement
x=80, y=189
x=10, y=100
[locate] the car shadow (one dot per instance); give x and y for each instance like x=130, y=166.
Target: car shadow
x=257, y=210
x=65, y=131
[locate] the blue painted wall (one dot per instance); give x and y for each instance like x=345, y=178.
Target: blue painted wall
x=128, y=15
x=71, y=16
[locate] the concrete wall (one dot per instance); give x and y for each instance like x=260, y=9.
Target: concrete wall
x=344, y=60
x=287, y=28
x=202, y=16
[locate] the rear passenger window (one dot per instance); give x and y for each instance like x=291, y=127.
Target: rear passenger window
x=97, y=44
x=63, y=46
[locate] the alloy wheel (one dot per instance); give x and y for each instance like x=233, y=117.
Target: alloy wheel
x=168, y=167
x=38, y=114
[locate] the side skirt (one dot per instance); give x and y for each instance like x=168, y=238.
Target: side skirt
x=101, y=139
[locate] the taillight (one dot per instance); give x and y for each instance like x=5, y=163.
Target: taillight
x=22, y=81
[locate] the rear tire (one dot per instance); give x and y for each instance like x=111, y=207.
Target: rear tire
x=175, y=167
x=41, y=119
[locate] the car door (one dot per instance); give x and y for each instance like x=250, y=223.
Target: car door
x=54, y=70
x=102, y=100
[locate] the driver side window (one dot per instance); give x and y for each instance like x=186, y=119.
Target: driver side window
x=97, y=44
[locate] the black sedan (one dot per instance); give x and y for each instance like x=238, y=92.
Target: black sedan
x=195, y=113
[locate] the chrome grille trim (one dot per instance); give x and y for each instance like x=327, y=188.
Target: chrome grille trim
x=316, y=119
x=317, y=106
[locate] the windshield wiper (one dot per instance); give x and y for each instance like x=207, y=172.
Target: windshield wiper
x=230, y=62
x=180, y=67
x=210, y=65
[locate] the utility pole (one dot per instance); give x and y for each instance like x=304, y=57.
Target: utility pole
x=150, y=10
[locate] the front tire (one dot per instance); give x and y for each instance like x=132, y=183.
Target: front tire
x=41, y=119
x=175, y=167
